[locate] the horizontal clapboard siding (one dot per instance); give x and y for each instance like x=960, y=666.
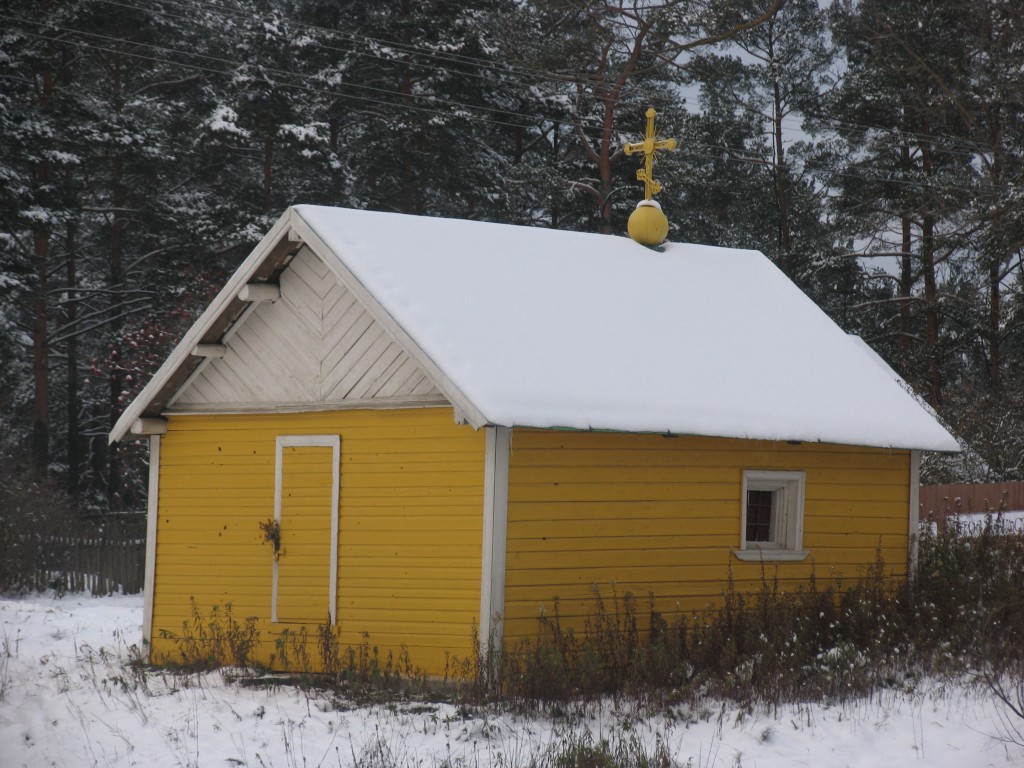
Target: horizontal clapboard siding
x=314, y=345
x=410, y=529
x=660, y=516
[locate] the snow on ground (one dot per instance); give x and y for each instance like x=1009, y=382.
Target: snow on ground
x=67, y=698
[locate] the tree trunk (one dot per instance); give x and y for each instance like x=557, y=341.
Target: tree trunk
x=781, y=174
x=268, y=173
x=931, y=293
x=408, y=194
x=556, y=213
x=73, y=397
x=116, y=280
x=997, y=257
x=994, y=314
x=604, y=165
x=41, y=346
x=40, y=308
x=906, y=284
x=931, y=309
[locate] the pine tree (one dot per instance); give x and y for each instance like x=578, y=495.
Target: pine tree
x=759, y=90
x=610, y=60
x=37, y=65
x=418, y=105
x=903, y=188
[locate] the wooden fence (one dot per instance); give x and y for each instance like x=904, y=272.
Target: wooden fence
x=940, y=501
x=103, y=556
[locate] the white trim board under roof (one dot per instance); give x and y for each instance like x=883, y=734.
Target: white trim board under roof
x=522, y=326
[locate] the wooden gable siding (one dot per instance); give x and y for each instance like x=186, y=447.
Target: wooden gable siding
x=410, y=529
x=656, y=515
x=314, y=345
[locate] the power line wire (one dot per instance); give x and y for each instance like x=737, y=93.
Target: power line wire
x=475, y=62
x=713, y=151
x=540, y=75
x=948, y=142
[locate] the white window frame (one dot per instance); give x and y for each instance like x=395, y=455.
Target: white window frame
x=788, y=490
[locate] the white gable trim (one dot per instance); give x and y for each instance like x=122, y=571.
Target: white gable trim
x=280, y=232
x=464, y=408
x=289, y=229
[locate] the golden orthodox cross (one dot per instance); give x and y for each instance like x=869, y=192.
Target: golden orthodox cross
x=647, y=148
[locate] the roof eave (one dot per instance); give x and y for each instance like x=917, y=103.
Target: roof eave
x=937, y=443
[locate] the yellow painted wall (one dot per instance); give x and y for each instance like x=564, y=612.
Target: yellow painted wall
x=410, y=527
x=661, y=515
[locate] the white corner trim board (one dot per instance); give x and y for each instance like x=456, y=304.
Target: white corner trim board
x=495, y=534
x=152, y=518
x=915, y=507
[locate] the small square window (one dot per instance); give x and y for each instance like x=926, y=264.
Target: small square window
x=772, y=516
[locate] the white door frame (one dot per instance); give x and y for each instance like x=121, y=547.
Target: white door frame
x=311, y=441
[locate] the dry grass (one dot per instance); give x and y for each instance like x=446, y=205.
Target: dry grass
x=959, y=613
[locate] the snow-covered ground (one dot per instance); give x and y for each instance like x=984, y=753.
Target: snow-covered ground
x=67, y=698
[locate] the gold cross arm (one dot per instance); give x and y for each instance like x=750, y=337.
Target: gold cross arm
x=647, y=148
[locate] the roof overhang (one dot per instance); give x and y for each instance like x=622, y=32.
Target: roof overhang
x=263, y=265
x=449, y=293
x=232, y=306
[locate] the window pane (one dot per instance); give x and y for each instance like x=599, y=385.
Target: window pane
x=759, y=515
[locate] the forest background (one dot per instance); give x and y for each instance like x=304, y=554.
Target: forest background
x=874, y=150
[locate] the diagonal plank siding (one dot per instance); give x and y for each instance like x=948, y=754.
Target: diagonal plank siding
x=316, y=344
x=410, y=527
x=659, y=516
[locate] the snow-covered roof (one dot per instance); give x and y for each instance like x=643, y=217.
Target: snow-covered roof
x=523, y=326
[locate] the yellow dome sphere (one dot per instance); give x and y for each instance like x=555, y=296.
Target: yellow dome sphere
x=647, y=224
